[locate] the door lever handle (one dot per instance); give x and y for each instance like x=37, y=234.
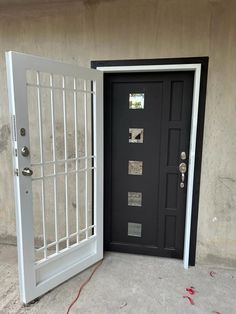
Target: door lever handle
x=182, y=181
x=182, y=170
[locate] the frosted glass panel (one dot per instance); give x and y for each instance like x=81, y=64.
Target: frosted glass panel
x=135, y=135
x=134, y=199
x=136, y=101
x=134, y=229
x=135, y=167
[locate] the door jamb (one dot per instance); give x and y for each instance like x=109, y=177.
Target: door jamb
x=199, y=66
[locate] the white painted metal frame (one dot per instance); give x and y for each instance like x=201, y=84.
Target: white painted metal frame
x=37, y=278
x=193, y=133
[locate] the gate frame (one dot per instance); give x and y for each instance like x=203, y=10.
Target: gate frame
x=84, y=254
x=199, y=65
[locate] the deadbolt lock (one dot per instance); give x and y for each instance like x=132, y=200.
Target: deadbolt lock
x=27, y=172
x=183, y=156
x=25, y=151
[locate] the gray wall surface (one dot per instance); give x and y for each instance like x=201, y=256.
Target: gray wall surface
x=80, y=31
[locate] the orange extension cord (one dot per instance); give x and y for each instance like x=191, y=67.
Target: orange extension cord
x=82, y=286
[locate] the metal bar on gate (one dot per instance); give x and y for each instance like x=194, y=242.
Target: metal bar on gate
x=65, y=238
x=65, y=155
x=58, y=161
x=54, y=159
x=62, y=173
x=86, y=160
x=59, y=88
x=42, y=162
x=95, y=161
x=77, y=162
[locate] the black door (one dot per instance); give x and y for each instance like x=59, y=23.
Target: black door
x=147, y=132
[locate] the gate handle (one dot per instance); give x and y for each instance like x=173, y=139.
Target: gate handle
x=27, y=172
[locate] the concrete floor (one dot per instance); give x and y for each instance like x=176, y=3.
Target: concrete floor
x=127, y=283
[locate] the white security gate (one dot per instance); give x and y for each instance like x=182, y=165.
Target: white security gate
x=57, y=130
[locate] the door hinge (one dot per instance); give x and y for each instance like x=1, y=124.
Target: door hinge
x=16, y=172
x=15, y=152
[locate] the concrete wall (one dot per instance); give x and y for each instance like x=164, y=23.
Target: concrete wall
x=77, y=32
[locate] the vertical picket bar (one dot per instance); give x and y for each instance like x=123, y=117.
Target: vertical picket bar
x=54, y=162
x=65, y=156
x=86, y=156
x=42, y=161
x=76, y=161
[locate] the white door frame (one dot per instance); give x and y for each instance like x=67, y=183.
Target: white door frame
x=196, y=68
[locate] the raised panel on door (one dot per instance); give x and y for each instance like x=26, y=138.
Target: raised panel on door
x=176, y=120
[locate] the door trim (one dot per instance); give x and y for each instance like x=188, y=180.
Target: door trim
x=199, y=66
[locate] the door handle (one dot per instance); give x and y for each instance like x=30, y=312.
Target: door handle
x=182, y=170
x=27, y=172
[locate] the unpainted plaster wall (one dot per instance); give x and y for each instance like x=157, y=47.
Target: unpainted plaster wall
x=80, y=31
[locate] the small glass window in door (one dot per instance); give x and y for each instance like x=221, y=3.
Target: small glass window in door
x=135, y=167
x=135, y=135
x=136, y=101
x=135, y=199
x=134, y=229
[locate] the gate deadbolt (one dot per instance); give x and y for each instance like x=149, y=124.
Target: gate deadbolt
x=25, y=151
x=27, y=172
